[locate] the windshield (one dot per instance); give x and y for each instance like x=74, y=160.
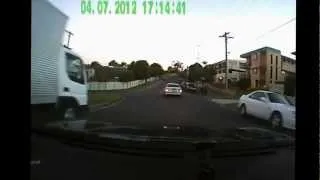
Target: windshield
x=277, y=98
x=173, y=85
x=110, y=63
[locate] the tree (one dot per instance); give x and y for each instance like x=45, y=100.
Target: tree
x=131, y=65
x=177, y=65
x=195, y=72
x=141, y=69
x=172, y=69
x=155, y=70
x=204, y=63
x=100, y=72
x=209, y=72
x=244, y=84
x=123, y=64
x=113, y=63
x=127, y=76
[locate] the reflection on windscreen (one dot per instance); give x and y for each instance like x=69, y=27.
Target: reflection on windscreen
x=276, y=98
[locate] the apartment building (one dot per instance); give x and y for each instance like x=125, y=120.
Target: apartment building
x=264, y=67
x=288, y=65
x=237, y=68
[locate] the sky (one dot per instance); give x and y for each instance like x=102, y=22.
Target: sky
x=189, y=38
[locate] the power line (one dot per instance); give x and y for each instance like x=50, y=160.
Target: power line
x=276, y=28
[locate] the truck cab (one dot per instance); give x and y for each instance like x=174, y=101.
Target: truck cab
x=72, y=85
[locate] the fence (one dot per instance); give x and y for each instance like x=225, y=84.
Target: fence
x=105, y=86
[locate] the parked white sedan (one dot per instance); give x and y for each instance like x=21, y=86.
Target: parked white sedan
x=172, y=89
x=269, y=106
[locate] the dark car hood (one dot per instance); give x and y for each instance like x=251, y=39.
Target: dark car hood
x=166, y=140
x=176, y=133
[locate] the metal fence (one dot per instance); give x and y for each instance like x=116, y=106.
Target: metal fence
x=105, y=86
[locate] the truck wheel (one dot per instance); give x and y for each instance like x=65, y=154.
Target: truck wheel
x=69, y=114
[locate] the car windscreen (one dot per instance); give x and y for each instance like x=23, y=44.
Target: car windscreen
x=277, y=98
x=173, y=85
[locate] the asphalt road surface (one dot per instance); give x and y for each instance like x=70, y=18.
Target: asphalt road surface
x=149, y=107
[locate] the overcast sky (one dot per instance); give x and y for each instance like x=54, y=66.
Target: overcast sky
x=163, y=39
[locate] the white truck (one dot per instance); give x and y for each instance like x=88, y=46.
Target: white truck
x=58, y=78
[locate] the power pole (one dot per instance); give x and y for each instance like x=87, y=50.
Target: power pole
x=69, y=35
x=226, y=37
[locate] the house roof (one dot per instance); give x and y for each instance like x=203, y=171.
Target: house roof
x=285, y=58
x=259, y=50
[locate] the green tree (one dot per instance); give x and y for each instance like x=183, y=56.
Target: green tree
x=209, y=72
x=131, y=65
x=141, y=69
x=113, y=63
x=127, y=76
x=177, y=65
x=243, y=84
x=195, y=72
x=155, y=70
x=100, y=73
x=123, y=64
x=171, y=69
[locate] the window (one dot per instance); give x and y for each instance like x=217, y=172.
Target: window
x=270, y=81
x=74, y=68
x=271, y=58
x=224, y=71
x=254, y=57
x=276, y=98
x=173, y=85
x=257, y=95
x=276, y=67
x=270, y=72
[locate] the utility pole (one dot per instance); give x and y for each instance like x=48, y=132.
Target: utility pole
x=226, y=37
x=69, y=35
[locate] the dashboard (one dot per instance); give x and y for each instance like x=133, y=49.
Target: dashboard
x=53, y=159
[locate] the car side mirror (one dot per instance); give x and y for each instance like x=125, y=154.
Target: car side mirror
x=263, y=99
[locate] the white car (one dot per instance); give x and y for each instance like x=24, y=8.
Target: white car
x=172, y=89
x=270, y=106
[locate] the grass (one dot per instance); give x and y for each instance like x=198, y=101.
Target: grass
x=112, y=96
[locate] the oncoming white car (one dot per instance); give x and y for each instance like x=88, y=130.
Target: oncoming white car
x=270, y=106
x=172, y=89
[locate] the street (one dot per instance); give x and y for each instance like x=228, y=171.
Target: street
x=149, y=107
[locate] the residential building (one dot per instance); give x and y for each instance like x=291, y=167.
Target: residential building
x=288, y=65
x=264, y=66
x=237, y=68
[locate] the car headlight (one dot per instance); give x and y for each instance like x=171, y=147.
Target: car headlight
x=180, y=90
x=166, y=90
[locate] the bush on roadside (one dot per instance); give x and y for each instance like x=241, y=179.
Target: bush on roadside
x=243, y=84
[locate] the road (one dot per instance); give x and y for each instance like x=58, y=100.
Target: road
x=149, y=107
